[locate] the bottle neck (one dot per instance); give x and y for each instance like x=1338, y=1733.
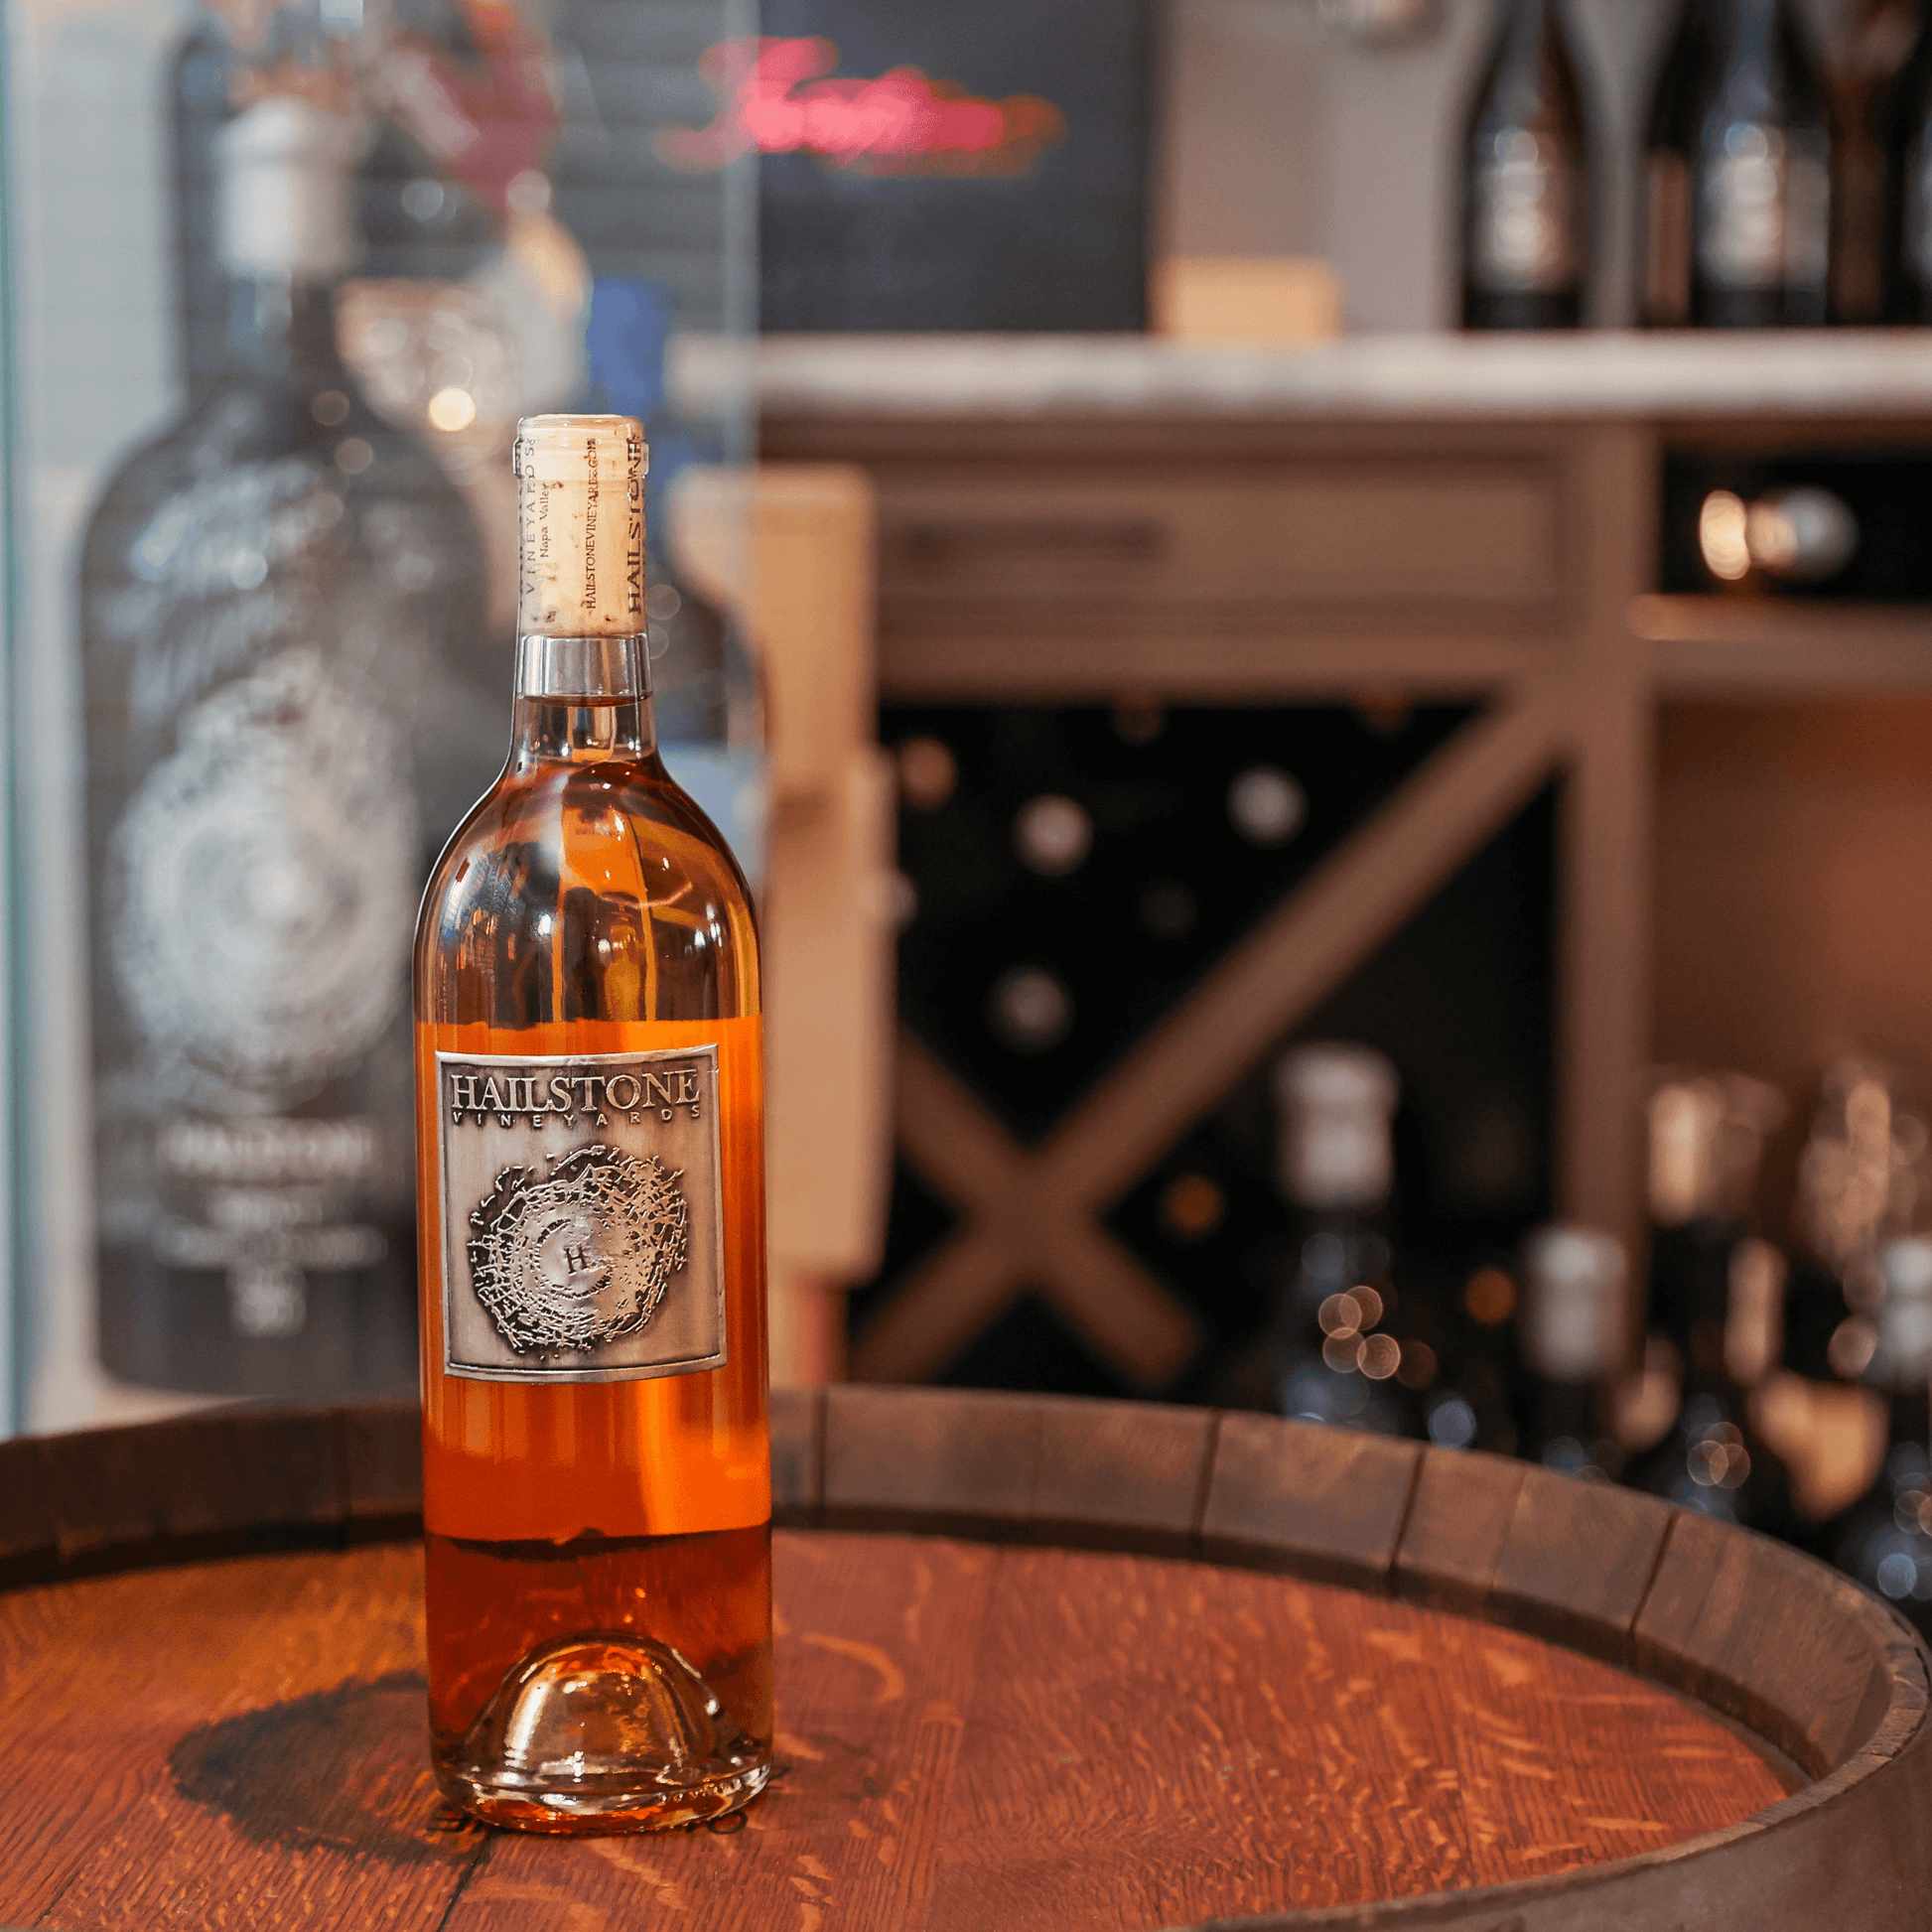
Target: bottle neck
x=582, y=700
x=281, y=326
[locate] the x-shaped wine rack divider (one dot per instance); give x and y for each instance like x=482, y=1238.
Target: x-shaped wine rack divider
x=1032, y=1216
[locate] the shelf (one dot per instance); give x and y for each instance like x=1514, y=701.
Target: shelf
x=1885, y=375
x=1746, y=649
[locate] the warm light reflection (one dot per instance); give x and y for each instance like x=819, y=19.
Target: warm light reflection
x=1723, y=535
x=773, y=100
x=451, y=409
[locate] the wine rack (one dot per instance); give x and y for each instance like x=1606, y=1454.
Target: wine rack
x=1496, y=566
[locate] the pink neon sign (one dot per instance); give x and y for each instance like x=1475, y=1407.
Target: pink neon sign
x=771, y=99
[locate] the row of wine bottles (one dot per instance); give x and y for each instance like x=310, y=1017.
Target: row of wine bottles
x=1712, y=1420
x=1758, y=185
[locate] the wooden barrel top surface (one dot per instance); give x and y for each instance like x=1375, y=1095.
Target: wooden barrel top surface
x=979, y=1725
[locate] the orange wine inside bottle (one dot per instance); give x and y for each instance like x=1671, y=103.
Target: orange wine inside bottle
x=590, y=1108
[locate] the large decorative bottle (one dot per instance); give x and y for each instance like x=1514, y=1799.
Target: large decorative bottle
x=1736, y=171
x=279, y=602
x=1525, y=170
x=589, y=1131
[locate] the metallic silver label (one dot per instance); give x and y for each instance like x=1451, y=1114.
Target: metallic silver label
x=582, y=1219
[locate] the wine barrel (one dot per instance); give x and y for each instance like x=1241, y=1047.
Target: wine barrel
x=1041, y=1663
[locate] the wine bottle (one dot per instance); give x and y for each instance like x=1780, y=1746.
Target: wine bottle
x=1330, y=1358
x=1708, y=1297
x=1884, y=1539
x=1526, y=179
x=1738, y=158
x=596, y=1480
x=278, y=602
x=1575, y=1325
x=1907, y=131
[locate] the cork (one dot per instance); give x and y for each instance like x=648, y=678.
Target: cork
x=581, y=526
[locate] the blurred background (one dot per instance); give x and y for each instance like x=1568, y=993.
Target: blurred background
x=1313, y=619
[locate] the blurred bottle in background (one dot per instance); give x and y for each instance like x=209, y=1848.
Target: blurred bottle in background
x=1871, y=44
x=1526, y=179
x=1905, y=135
x=1330, y=1356
x=1865, y=1178
x=1884, y=1539
x=1575, y=1330
x=1736, y=200
x=470, y=304
x=281, y=598
x=1717, y=1293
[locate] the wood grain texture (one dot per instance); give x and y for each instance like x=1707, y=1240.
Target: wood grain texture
x=1458, y=1523
x=26, y=1526
x=1322, y=1502
x=381, y=1463
x=973, y=1737
x=1123, y=1474
x=1718, y=1610
x=1578, y=1559
x=797, y=1453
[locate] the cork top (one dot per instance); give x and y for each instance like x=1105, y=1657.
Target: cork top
x=581, y=526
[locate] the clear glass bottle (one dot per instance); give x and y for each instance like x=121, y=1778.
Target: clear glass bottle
x=1737, y=174
x=1526, y=179
x=596, y=1486
x=278, y=605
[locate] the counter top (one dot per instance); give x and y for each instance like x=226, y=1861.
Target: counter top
x=1595, y=375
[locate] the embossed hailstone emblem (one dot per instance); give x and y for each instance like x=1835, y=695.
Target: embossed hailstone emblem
x=572, y=1258
x=581, y=1215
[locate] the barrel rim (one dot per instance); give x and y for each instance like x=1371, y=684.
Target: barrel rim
x=1795, y=1654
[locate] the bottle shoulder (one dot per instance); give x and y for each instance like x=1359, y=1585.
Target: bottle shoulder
x=586, y=889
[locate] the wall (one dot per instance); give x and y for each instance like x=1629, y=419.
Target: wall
x=1794, y=892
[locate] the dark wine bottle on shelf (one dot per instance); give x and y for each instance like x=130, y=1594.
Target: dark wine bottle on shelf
x=1574, y=1331
x=1884, y=1539
x=1715, y=1294
x=1907, y=134
x=1526, y=179
x=1737, y=174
